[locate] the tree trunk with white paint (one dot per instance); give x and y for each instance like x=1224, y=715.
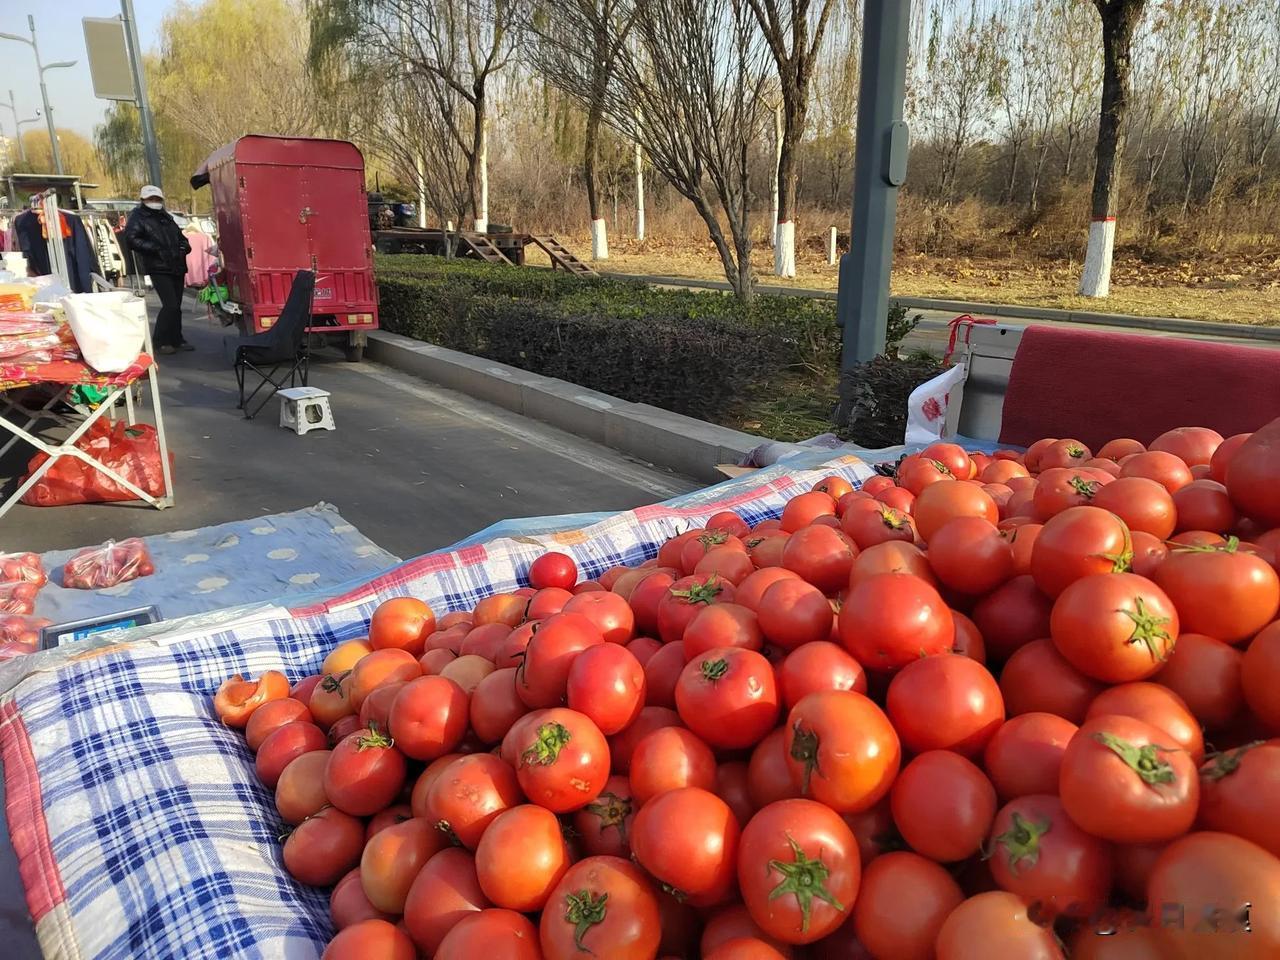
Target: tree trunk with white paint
x=422, y=191
x=784, y=195
x=639, y=195
x=774, y=190
x=599, y=240
x=1119, y=21
x=831, y=248
x=482, y=162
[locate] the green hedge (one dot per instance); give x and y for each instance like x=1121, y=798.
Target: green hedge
x=696, y=353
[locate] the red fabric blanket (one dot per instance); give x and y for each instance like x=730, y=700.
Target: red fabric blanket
x=1095, y=386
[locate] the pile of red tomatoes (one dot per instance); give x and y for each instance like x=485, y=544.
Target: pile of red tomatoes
x=1009, y=707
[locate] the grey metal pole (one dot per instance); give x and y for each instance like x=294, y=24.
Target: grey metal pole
x=17, y=129
x=880, y=166
x=44, y=95
x=140, y=89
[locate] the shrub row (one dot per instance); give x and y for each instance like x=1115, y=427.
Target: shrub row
x=690, y=352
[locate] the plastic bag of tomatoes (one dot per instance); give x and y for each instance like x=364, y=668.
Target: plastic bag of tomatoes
x=20, y=635
x=19, y=597
x=25, y=567
x=98, y=567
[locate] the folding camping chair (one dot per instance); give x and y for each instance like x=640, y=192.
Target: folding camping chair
x=284, y=345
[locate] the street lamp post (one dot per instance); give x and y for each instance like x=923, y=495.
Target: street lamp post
x=44, y=91
x=17, y=126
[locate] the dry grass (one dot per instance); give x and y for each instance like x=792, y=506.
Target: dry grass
x=1236, y=288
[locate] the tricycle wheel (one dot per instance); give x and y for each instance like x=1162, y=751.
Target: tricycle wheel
x=354, y=352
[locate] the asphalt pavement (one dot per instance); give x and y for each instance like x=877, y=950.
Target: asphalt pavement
x=415, y=467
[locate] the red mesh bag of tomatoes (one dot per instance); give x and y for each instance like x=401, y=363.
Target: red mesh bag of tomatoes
x=97, y=567
x=22, y=567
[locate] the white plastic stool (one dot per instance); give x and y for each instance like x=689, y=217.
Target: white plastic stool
x=305, y=408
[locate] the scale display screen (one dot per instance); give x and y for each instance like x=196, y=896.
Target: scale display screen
x=60, y=633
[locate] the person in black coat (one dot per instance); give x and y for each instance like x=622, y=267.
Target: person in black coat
x=160, y=250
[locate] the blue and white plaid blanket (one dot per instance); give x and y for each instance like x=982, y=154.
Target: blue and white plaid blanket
x=140, y=827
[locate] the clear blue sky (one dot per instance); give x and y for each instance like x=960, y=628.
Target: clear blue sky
x=61, y=37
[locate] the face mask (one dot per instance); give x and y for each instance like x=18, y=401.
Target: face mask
x=154, y=204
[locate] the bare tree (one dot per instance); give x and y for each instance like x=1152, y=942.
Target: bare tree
x=1260, y=77
x=452, y=48
x=794, y=30
x=1119, y=22
x=576, y=45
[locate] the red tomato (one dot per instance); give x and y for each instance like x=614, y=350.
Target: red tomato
x=1123, y=447
x=891, y=557
x=768, y=776
x=1114, y=627
x=669, y=758
x=1119, y=782
x=915, y=473
x=376, y=708
x=271, y=716
x=545, y=603
x=543, y=676
x=1013, y=614
x=735, y=923
x=661, y=673
x=300, y=787
x=511, y=653
x=348, y=905
x=1025, y=755
x=947, y=702
x=1205, y=505
x=466, y=672
x=623, y=745
x=1260, y=677
x=608, y=611
x=494, y=934
x=1223, y=592
x=606, y=683
x=1156, y=705
x=392, y=859
x=1216, y=877
x=751, y=591
x=342, y=729
x=1148, y=554
x=284, y=745
x=798, y=870
x=1039, y=854
x=401, y=623
x=793, y=612
x=968, y=641
x=604, y=825
x=237, y=698
x=899, y=498
x=700, y=859
x=890, y=619
x=820, y=555
x=722, y=625
x=1192, y=445
x=1001, y=471
x=1064, y=453
x=1239, y=792
x=646, y=597
x=728, y=697
x=879, y=523
x=902, y=903
x=445, y=891
x=943, y=805
x=1078, y=542
x=505, y=608
x=602, y=907
x=970, y=556
x=494, y=705
x=1165, y=468
x=820, y=665
x=387, y=817
x=642, y=648
x=1037, y=678
x=379, y=667
x=302, y=690
x=995, y=925
x=429, y=717
x=1142, y=503
x=521, y=857
x=696, y=548
x=553, y=570
x=725, y=563
x=563, y=759
x=324, y=847
x=801, y=511
x=1224, y=454
x=941, y=502
x=729, y=522
x=841, y=750
x=370, y=938
x=733, y=787
x=765, y=550
x=1022, y=542
x=467, y=794
x=1205, y=674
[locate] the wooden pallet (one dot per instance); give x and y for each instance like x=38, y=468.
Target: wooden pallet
x=479, y=245
x=561, y=256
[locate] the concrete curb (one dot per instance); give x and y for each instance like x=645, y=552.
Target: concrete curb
x=1211, y=328
x=683, y=444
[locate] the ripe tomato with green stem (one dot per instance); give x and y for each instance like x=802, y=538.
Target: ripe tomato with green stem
x=728, y=697
x=602, y=907
x=563, y=759
x=1240, y=793
x=542, y=677
x=364, y=773
x=1124, y=780
x=841, y=750
x=604, y=825
x=798, y=870
x=1220, y=590
x=1078, y=542
x=1115, y=627
x=685, y=599
x=467, y=794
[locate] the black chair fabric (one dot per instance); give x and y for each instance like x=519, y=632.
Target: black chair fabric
x=283, y=344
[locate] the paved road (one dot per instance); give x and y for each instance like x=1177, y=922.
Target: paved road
x=413, y=466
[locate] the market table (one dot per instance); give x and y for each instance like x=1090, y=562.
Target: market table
x=62, y=375
x=140, y=826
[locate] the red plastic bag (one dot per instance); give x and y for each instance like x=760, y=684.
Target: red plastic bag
x=97, y=567
x=19, y=597
x=131, y=451
x=20, y=635
x=25, y=567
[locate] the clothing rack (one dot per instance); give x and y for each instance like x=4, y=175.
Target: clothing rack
x=53, y=237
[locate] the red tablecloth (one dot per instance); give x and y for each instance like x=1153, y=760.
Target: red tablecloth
x=14, y=375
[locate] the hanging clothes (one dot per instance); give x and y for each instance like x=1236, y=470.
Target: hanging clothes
x=202, y=259
x=33, y=241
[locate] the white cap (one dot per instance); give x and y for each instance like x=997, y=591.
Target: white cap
x=149, y=191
